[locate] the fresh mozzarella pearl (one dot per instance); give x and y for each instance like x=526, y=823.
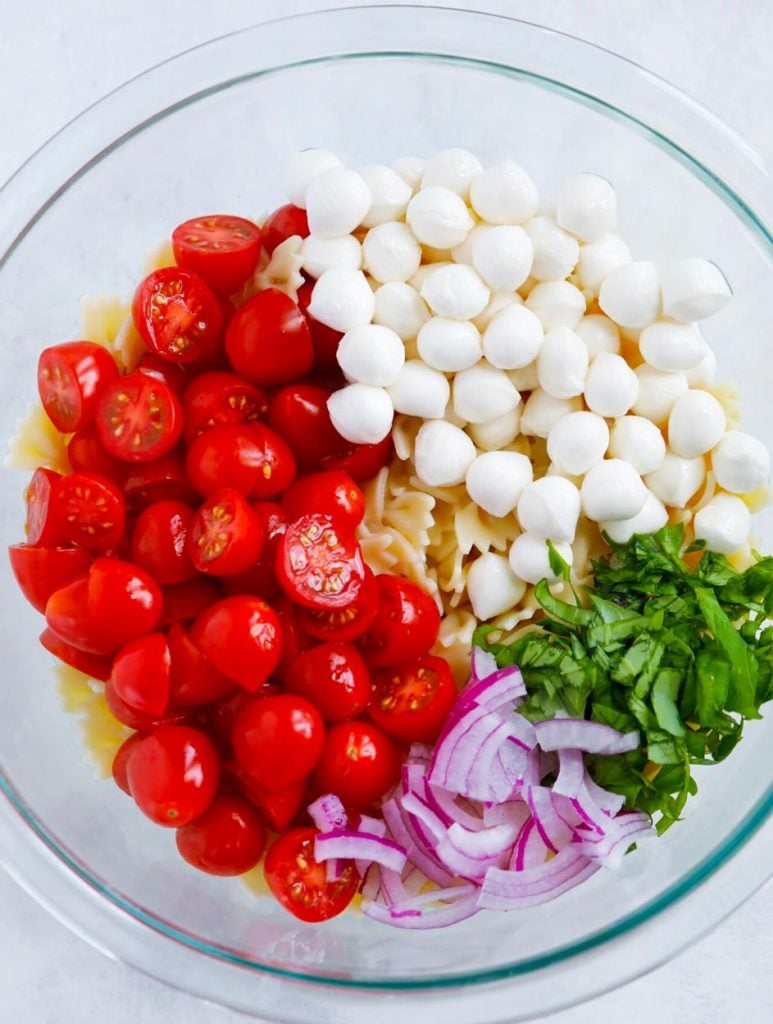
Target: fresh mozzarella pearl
x=555, y=252
x=513, y=338
x=371, y=354
x=420, y=391
x=360, y=413
x=342, y=299
x=439, y=217
x=483, y=393
x=542, y=410
x=740, y=462
x=504, y=194
x=453, y=169
x=497, y=433
x=702, y=375
x=653, y=517
x=677, y=479
x=599, y=333
x=638, y=441
x=657, y=393
x=497, y=302
x=578, y=441
x=502, y=256
x=492, y=586
x=670, y=346
x=449, y=345
x=612, y=490
x=612, y=387
x=399, y=306
x=562, y=363
x=336, y=202
x=526, y=378
x=694, y=289
x=530, y=558
x=549, y=508
x=303, y=168
x=463, y=253
x=724, y=523
x=389, y=194
x=425, y=272
x=495, y=481
x=411, y=170
x=557, y=304
x=455, y=292
x=696, y=424
x=321, y=254
x=443, y=454
x=587, y=206
x=390, y=252
x=630, y=295
x=599, y=259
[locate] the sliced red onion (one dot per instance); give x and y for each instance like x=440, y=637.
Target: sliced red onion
x=491, y=842
x=328, y=813
x=571, y=773
x=612, y=803
x=552, y=828
x=371, y=887
x=420, y=753
x=335, y=867
x=579, y=734
x=447, y=808
x=495, y=689
x=449, y=895
x=440, y=917
x=510, y=890
x=417, y=853
x=416, y=807
x=349, y=845
x=413, y=881
x=530, y=850
x=610, y=849
x=372, y=826
x=514, y=812
x=392, y=887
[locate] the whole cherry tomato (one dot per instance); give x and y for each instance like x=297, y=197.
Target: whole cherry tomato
x=301, y=884
x=221, y=249
x=282, y=224
x=217, y=397
x=41, y=571
x=406, y=624
x=242, y=637
x=334, y=677
x=411, y=702
x=299, y=413
x=225, y=537
x=268, y=340
x=91, y=510
x=139, y=418
x=193, y=679
x=70, y=378
x=44, y=526
x=278, y=740
x=121, y=762
x=177, y=315
x=319, y=565
x=359, y=764
x=251, y=458
x=228, y=838
x=158, y=541
x=343, y=624
x=141, y=674
x=331, y=493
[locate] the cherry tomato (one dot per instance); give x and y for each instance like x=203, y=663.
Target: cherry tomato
x=362, y=461
x=332, y=493
x=406, y=624
x=277, y=808
x=295, y=640
x=300, y=883
x=141, y=674
x=90, y=664
x=70, y=377
x=69, y=617
x=41, y=571
x=412, y=702
x=343, y=624
x=261, y=579
x=225, y=536
x=242, y=637
x=299, y=413
x=121, y=762
x=44, y=527
x=92, y=510
x=184, y=601
x=173, y=375
x=218, y=397
x=268, y=340
x=158, y=541
x=86, y=455
x=221, y=714
x=177, y=315
x=160, y=480
x=173, y=774
x=278, y=740
x=193, y=679
x=359, y=764
x=324, y=339
x=282, y=224
x=135, y=719
x=139, y=418
x=319, y=565
x=334, y=677
x=221, y=249
x=228, y=839
x=251, y=458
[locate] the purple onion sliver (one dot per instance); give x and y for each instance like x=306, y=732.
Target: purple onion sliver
x=579, y=734
x=328, y=813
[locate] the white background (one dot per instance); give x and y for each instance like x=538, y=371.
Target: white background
x=55, y=59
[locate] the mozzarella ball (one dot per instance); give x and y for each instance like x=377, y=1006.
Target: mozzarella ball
x=453, y=169
x=371, y=354
x=513, y=338
x=502, y=256
x=677, y=479
x=419, y=390
x=455, y=292
x=342, y=299
x=525, y=378
x=562, y=363
x=598, y=259
x=336, y=202
x=389, y=195
x=587, y=206
x=638, y=442
x=497, y=433
x=702, y=375
x=495, y=481
x=657, y=393
x=724, y=523
x=483, y=393
x=399, y=306
x=549, y=508
x=411, y=170
x=612, y=386
x=696, y=424
x=670, y=346
x=578, y=441
x=694, y=289
x=425, y=272
x=653, y=517
x=555, y=252
x=303, y=168
x=390, y=252
x=542, y=410
x=463, y=253
x=612, y=490
x=321, y=254
x=449, y=345
x=504, y=194
x=630, y=295
x=492, y=586
x=530, y=558
x=443, y=453
x=438, y=217
x=360, y=413
x=599, y=333
x=741, y=463
x=557, y=304
x=497, y=302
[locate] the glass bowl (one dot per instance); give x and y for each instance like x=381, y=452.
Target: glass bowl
x=211, y=130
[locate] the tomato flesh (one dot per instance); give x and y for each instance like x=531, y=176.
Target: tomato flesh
x=300, y=883
x=242, y=637
x=320, y=566
x=282, y=224
x=218, y=397
x=406, y=624
x=278, y=740
x=225, y=537
x=359, y=764
x=139, y=418
x=412, y=702
x=92, y=510
x=268, y=340
x=343, y=624
x=70, y=378
x=44, y=527
x=228, y=839
x=178, y=316
x=221, y=249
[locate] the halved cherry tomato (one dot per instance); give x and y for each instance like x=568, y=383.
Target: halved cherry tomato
x=41, y=571
x=172, y=374
x=44, y=526
x=173, y=774
x=343, y=624
x=221, y=249
x=278, y=740
x=332, y=493
x=86, y=455
x=221, y=714
x=335, y=678
x=90, y=664
x=294, y=640
x=158, y=541
x=228, y=839
x=362, y=461
x=300, y=883
x=324, y=339
x=139, y=418
x=242, y=637
x=92, y=510
x=178, y=316
x=218, y=397
x=282, y=224
x=70, y=378
x=69, y=617
x=160, y=480
x=268, y=340
x=135, y=719
x=278, y=808
x=411, y=703
x=194, y=680
x=225, y=536
x=406, y=624
x=299, y=413
x=250, y=458
x=184, y=601
x=121, y=762
x=261, y=579
x=359, y=764
x=141, y=674
x=319, y=565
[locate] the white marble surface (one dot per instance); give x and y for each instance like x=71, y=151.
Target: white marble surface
x=56, y=59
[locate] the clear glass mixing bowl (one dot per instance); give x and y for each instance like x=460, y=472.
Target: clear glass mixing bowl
x=211, y=130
